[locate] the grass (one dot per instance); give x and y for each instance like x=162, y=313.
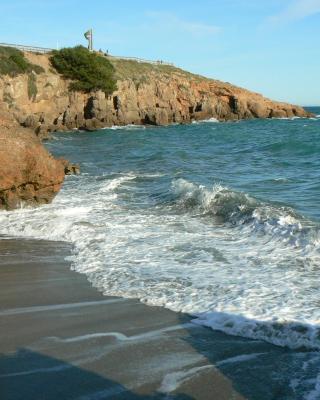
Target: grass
x=143, y=72
x=131, y=69
x=13, y=63
x=88, y=71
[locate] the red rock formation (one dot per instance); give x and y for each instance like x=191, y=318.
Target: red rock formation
x=147, y=94
x=28, y=173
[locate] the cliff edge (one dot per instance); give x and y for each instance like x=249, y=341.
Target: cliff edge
x=146, y=94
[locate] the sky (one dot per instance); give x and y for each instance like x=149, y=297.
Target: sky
x=268, y=46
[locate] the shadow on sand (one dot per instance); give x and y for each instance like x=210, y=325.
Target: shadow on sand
x=46, y=378
x=60, y=339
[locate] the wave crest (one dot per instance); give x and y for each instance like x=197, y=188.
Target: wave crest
x=242, y=210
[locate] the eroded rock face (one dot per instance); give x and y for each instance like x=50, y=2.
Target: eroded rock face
x=28, y=173
x=160, y=98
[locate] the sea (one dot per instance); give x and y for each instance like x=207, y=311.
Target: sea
x=220, y=220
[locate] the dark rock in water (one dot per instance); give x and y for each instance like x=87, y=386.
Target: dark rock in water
x=70, y=168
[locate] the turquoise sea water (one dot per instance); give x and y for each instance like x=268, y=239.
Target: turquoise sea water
x=219, y=201
x=220, y=220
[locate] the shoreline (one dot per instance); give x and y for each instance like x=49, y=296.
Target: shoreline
x=62, y=338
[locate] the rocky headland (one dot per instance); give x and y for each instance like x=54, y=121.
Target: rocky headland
x=146, y=94
x=39, y=101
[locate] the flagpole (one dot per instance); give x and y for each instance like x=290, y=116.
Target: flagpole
x=89, y=36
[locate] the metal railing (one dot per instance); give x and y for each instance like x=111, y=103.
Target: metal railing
x=44, y=50
x=33, y=49
x=140, y=60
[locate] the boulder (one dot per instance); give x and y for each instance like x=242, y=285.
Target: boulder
x=70, y=168
x=92, y=124
x=258, y=109
x=300, y=112
x=28, y=173
x=279, y=114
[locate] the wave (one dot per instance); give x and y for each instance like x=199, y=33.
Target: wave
x=242, y=210
x=209, y=120
x=207, y=246
x=292, y=334
x=129, y=127
x=289, y=147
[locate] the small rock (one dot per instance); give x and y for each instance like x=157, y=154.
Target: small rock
x=70, y=168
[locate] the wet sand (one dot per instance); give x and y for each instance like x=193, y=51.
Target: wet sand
x=62, y=339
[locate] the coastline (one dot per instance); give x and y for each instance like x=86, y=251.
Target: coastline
x=61, y=338
x=145, y=94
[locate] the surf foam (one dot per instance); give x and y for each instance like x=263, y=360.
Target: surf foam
x=238, y=265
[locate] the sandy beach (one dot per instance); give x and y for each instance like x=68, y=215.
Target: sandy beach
x=62, y=339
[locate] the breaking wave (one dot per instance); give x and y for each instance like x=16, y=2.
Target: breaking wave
x=241, y=210
x=220, y=255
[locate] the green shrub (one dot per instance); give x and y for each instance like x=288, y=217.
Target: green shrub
x=88, y=70
x=13, y=62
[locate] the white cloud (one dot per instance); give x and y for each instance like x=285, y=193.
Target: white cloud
x=172, y=22
x=297, y=10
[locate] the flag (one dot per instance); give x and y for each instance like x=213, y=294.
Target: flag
x=87, y=35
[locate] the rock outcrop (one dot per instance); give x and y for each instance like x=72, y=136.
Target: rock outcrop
x=28, y=173
x=147, y=94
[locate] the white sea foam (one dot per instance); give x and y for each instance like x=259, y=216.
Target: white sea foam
x=239, y=359
x=172, y=381
x=253, y=274
x=121, y=337
x=113, y=184
x=287, y=118
x=210, y=120
x=128, y=127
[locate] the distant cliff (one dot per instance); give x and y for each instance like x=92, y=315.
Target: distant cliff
x=146, y=94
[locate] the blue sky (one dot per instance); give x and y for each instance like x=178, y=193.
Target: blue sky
x=269, y=46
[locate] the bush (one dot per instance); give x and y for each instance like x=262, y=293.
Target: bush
x=88, y=70
x=13, y=63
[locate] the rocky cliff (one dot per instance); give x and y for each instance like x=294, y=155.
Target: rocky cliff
x=146, y=94
x=39, y=101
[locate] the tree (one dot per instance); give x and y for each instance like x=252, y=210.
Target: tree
x=88, y=70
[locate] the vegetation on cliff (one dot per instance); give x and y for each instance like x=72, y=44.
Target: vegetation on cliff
x=13, y=63
x=88, y=71
x=139, y=72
